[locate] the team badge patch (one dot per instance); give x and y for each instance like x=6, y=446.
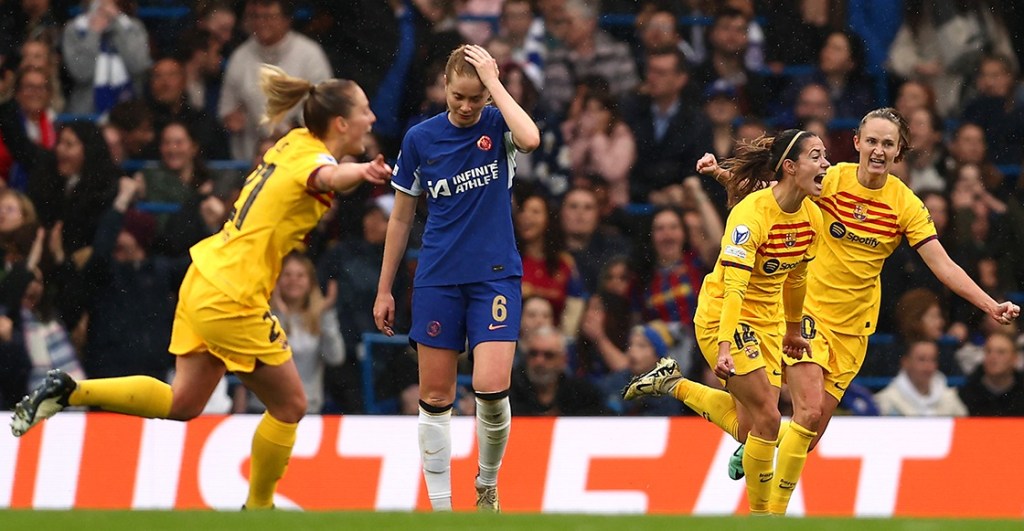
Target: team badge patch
x=860, y=212
x=751, y=351
x=790, y=239
x=433, y=328
x=740, y=235
x=484, y=143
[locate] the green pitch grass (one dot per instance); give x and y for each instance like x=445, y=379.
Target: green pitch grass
x=335, y=521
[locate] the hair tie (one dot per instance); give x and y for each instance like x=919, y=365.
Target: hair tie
x=789, y=147
x=312, y=89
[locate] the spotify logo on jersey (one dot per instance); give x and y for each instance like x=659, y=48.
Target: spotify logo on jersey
x=771, y=265
x=837, y=230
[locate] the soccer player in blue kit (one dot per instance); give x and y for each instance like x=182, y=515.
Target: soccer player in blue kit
x=468, y=278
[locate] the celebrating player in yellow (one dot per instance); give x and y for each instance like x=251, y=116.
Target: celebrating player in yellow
x=865, y=212
x=750, y=305
x=223, y=320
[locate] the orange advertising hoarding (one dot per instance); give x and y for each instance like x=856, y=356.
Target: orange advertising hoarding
x=863, y=466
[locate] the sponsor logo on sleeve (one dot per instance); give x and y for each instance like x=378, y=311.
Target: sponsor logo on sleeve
x=735, y=252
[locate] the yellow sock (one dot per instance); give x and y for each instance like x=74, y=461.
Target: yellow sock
x=792, y=456
x=758, y=460
x=271, y=447
x=714, y=405
x=141, y=396
x=783, y=428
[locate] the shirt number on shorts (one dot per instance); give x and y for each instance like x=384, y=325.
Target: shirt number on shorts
x=274, y=332
x=807, y=330
x=744, y=335
x=499, y=310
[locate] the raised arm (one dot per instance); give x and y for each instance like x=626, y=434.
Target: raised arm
x=954, y=277
x=525, y=134
x=347, y=176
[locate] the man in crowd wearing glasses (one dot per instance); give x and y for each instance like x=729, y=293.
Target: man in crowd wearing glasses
x=541, y=386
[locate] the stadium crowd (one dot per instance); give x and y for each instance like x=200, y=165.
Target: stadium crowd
x=128, y=127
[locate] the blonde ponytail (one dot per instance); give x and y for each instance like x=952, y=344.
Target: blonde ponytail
x=283, y=92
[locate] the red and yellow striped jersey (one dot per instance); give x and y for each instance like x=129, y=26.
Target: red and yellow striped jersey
x=862, y=227
x=762, y=248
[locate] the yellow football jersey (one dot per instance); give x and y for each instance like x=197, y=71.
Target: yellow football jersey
x=862, y=227
x=275, y=211
x=762, y=247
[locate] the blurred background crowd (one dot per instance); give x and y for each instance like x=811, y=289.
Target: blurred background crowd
x=128, y=127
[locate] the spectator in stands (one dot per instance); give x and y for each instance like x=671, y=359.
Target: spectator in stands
x=273, y=42
x=658, y=29
x=588, y=51
x=351, y=270
x=168, y=101
x=35, y=19
x=971, y=354
x=524, y=31
x=968, y=146
x=603, y=337
x=590, y=244
x=617, y=277
x=33, y=95
x=996, y=388
x=941, y=42
x=541, y=385
x=728, y=39
x=201, y=57
x=437, y=34
x=548, y=269
x=841, y=70
x=671, y=132
x=73, y=183
x=134, y=124
x=671, y=271
x=128, y=289
x=919, y=316
x=39, y=52
x=181, y=179
x=106, y=51
x=913, y=95
x=920, y=389
x=999, y=109
x=360, y=38
x=925, y=159
x=311, y=324
x=797, y=31
x=601, y=145
x=722, y=110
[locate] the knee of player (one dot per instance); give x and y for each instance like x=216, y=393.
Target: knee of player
x=435, y=402
x=293, y=410
x=186, y=408
x=768, y=418
x=807, y=415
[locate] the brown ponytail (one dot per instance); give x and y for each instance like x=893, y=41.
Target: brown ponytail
x=325, y=101
x=759, y=162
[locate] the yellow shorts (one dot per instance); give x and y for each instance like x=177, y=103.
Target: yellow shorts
x=208, y=320
x=840, y=355
x=758, y=348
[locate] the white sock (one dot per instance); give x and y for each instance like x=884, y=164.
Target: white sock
x=493, y=421
x=435, y=439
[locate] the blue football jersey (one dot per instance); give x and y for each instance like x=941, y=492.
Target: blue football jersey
x=467, y=175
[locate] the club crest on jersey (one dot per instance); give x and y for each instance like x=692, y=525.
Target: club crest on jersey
x=484, y=143
x=860, y=212
x=751, y=351
x=790, y=239
x=740, y=234
x=434, y=328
